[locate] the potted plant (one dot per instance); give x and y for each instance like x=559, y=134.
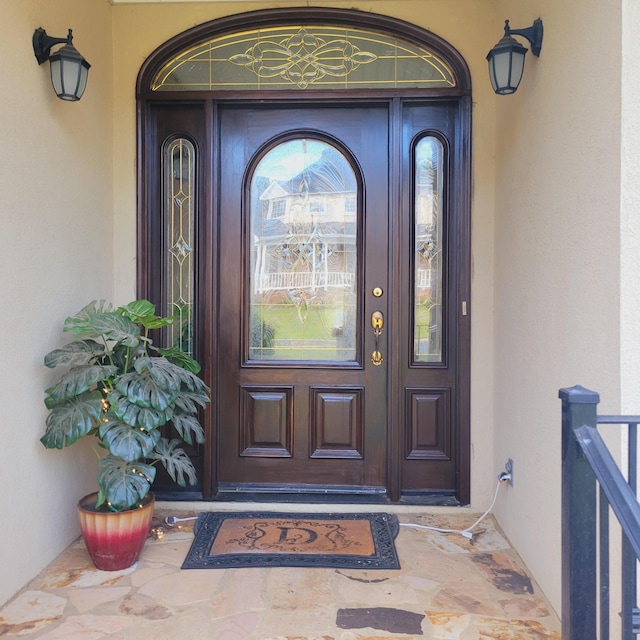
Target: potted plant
x=121, y=389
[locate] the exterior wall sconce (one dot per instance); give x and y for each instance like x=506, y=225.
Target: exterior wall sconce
x=69, y=69
x=506, y=59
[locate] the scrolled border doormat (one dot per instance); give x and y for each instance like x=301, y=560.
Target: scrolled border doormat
x=344, y=540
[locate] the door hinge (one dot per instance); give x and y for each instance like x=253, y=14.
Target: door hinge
x=464, y=307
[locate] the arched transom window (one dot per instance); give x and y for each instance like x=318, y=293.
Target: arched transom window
x=304, y=57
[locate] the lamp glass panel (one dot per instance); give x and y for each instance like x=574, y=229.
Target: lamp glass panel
x=502, y=69
x=70, y=75
x=505, y=69
x=82, y=85
x=66, y=75
x=517, y=67
x=56, y=75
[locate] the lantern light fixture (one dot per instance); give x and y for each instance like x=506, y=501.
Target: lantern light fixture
x=69, y=69
x=506, y=59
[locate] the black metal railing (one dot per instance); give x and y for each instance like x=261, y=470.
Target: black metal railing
x=592, y=486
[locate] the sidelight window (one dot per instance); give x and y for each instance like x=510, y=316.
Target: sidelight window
x=179, y=207
x=428, y=250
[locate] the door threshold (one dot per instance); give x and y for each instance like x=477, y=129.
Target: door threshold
x=300, y=494
x=258, y=494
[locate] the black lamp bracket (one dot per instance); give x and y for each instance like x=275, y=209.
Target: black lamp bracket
x=533, y=34
x=42, y=43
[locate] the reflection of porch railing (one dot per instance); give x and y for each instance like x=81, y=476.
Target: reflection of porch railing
x=284, y=281
x=424, y=278
x=586, y=461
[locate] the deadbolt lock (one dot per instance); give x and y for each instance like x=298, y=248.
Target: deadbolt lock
x=377, y=292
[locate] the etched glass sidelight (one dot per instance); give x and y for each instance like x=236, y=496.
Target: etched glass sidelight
x=304, y=254
x=428, y=258
x=179, y=204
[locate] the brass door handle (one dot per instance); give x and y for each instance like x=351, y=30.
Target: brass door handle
x=377, y=324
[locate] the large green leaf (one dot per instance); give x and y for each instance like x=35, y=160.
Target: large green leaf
x=76, y=381
x=99, y=322
x=188, y=401
x=127, y=442
x=74, y=354
x=166, y=374
x=145, y=391
x=179, y=357
x=175, y=461
x=144, y=313
x=185, y=425
x=71, y=420
x=134, y=415
x=124, y=484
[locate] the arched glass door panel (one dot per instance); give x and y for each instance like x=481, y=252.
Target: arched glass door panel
x=304, y=254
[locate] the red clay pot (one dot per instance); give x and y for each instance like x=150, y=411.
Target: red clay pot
x=114, y=540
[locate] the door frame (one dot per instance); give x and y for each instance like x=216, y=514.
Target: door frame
x=206, y=103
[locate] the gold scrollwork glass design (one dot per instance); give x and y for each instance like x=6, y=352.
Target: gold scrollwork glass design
x=303, y=251
x=304, y=57
x=179, y=203
x=428, y=250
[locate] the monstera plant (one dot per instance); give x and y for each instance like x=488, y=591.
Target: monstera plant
x=120, y=388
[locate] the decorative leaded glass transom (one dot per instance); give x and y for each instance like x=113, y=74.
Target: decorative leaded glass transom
x=304, y=57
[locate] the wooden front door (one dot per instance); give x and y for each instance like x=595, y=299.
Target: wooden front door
x=337, y=301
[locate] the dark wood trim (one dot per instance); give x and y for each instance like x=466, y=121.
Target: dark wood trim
x=463, y=202
x=206, y=306
x=395, y=406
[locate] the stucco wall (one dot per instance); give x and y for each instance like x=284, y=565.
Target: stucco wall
x=630, y=211
x=56, y=230
x=557, y=276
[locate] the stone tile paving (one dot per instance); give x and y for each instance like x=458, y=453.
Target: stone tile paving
x=448, y=588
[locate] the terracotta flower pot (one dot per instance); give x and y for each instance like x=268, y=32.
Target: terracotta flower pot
x=114, y=540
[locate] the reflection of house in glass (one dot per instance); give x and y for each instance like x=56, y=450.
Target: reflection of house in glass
x=428, y=252
x=305, y=237
x=304, y=221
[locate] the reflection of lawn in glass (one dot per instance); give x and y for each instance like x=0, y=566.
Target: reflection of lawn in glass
x=298, y=332
x=422, y=333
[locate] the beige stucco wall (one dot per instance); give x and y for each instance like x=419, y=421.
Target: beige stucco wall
x=57, y=254
x=557, y=275
x=630, y=211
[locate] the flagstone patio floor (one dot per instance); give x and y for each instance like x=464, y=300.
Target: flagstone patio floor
x=448, y=588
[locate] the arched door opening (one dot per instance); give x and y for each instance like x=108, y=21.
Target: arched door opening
x=304, y=214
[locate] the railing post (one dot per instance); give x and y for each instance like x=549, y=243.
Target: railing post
x=579, y=571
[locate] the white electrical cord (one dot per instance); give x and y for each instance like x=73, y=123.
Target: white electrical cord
x=464, y=532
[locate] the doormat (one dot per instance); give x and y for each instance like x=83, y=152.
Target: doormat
x=344, y=540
